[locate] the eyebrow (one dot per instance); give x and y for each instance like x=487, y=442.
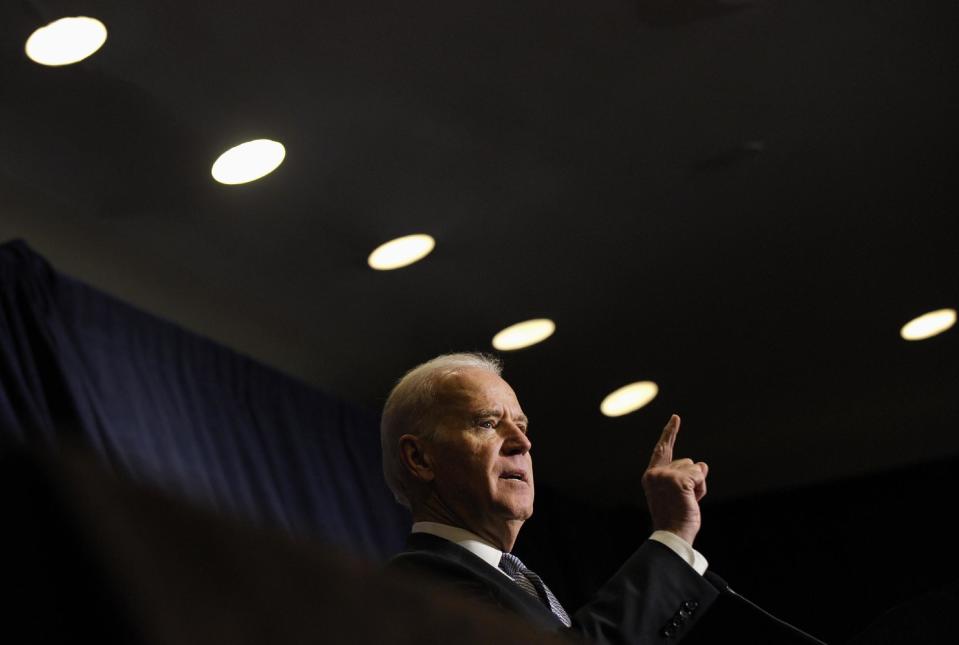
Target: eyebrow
x=486, y=412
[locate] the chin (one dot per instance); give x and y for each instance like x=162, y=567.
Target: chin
x=516, y=510
x=519, y=511
x=515, y=505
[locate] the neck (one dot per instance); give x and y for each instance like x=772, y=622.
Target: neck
x=500, y=533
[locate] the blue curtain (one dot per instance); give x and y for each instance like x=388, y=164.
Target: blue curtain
x=182, y=413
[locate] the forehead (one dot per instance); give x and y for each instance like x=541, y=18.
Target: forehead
x=475, y=388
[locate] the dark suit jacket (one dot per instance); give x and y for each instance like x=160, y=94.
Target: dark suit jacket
x=655, y=597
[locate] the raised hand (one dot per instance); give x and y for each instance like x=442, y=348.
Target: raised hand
x=674, y=487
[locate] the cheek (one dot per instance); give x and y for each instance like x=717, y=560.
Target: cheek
x=461, y=466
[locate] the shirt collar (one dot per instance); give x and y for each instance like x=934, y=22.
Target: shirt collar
x=466, y=539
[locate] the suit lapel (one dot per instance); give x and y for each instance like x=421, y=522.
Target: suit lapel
x=507, y=592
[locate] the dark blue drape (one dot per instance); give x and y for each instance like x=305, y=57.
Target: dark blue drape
x=177, y=411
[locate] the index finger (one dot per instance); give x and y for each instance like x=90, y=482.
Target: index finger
x=663, y=451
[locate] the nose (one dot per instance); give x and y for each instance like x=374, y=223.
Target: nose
x=515, y=441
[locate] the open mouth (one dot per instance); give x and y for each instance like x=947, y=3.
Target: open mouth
x=518, y=476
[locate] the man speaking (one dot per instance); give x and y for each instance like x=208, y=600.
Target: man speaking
x=457, y=454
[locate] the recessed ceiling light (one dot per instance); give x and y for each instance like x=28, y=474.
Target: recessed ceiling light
x=248, y=161
x=524, y=334
x=928, y=325
x=629, y=398
x=66, y=41
x=401, y=252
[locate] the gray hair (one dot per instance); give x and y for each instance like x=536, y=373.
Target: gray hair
x=409, y=409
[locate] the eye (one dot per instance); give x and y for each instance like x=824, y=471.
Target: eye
x=488, y=423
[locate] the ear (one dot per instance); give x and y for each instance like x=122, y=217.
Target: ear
x=416, y=459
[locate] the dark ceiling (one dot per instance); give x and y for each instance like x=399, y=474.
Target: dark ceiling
x=742, y=201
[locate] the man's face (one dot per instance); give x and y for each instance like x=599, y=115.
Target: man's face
x=483, y=469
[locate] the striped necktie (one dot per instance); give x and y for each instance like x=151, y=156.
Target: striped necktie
x=532, y=584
